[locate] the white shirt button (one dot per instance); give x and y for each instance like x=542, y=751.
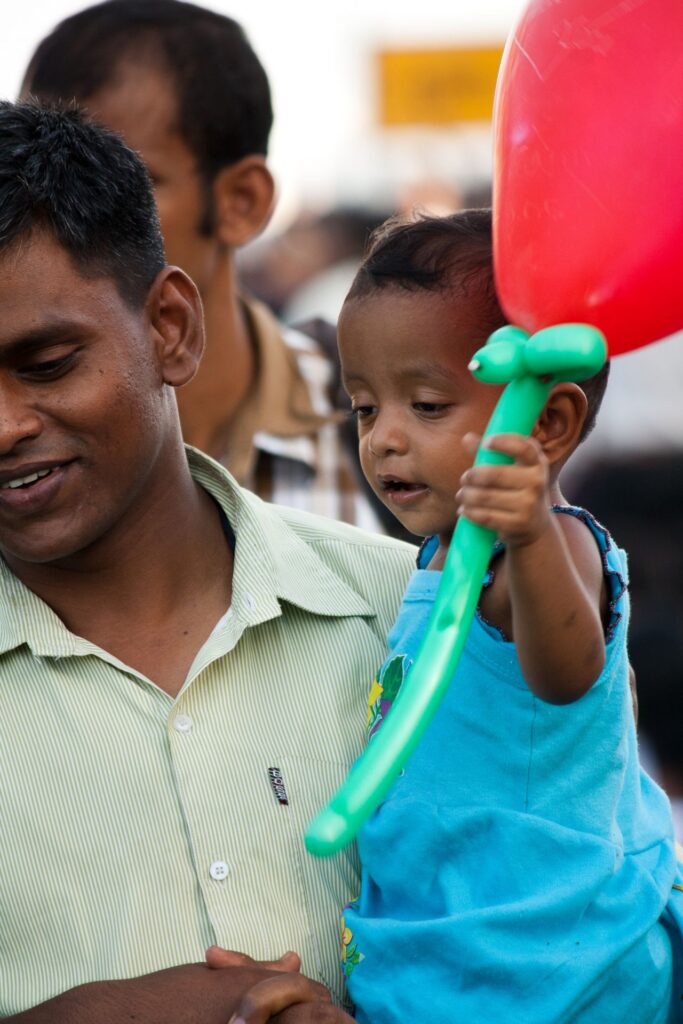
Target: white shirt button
x=219, y=870
x=182, y=723
x=249, y=602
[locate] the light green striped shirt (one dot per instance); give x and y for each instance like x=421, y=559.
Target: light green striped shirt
x=137, y=829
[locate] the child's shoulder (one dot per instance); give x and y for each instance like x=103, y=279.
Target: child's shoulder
x=584, y=533
x=600, y=563
x=586, y=540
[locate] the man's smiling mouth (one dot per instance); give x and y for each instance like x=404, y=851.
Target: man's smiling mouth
x=30, y=489
x=25, y=481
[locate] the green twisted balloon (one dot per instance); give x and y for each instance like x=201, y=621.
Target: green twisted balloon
x=530, y=366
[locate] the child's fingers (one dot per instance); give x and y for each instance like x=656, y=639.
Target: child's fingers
x=269, y=997
x=524, y=450
x=491, y=499
x=508, y=477
x=505, y=523
x=470, y=442
x=217, y=957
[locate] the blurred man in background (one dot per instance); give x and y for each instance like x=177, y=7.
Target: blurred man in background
x=184, y=88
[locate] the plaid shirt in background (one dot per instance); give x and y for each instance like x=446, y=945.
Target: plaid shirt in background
x=286, y=444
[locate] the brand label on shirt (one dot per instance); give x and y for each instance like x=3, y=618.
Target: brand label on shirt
x=278, y=785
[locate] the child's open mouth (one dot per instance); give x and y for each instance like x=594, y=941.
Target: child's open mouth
x=401, y=491
x=400, y=485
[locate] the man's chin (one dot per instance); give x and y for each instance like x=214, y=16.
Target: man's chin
x=44, y=551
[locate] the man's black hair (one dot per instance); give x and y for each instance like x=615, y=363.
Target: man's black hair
x=81, y=184
x=224, y=109
x=449, y=254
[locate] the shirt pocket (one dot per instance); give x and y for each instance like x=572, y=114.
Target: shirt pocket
x=327, y=884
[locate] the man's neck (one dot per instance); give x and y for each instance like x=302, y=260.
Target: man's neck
x=210, y=402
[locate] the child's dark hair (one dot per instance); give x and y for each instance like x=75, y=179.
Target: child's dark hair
x=453, y=254
x=224, y=109
x=82, y=185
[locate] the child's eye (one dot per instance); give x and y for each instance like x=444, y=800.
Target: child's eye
x=430, y=408
x=362, y=411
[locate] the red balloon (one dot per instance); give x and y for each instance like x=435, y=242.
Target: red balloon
x=588, y=189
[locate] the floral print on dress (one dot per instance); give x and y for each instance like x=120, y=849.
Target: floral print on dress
x=384, y=691
x=350, y=954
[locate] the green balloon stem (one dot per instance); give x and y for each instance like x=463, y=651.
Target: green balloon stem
x=466, y=563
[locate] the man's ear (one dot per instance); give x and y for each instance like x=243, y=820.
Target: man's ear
x=175, y=314
x=559, y=426
x=243, y=198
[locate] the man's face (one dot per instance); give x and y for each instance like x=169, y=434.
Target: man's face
x=83, y=407
x=140, y=105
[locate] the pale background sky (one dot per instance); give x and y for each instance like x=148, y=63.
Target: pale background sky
x=326, y=146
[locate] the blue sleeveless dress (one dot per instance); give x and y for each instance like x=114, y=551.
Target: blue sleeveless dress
x=522, y=868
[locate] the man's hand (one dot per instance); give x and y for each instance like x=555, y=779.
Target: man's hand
x=190, y=994
x=287, y=998
x=217, y=957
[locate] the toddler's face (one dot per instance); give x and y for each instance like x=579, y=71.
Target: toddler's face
x=404, y=360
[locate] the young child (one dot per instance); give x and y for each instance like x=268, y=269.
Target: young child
x=522, y=868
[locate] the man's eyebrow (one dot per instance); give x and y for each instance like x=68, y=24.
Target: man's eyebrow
x=36, y=338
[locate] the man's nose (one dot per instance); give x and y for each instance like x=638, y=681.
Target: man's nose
x=19, y=421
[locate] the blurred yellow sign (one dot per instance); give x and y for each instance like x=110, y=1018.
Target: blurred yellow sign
x=438, y=86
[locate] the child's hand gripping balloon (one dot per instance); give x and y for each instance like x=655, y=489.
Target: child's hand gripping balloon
x=510, y=500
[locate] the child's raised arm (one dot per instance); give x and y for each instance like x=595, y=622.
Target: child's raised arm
x=548, y=591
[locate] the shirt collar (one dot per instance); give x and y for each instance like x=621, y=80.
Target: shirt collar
x=271, y=564
x=26, y=619
x=270, y=554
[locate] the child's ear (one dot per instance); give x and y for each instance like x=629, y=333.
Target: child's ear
x=559, y=426
x=243, y=197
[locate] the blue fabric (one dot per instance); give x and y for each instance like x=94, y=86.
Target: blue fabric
x=521, y=868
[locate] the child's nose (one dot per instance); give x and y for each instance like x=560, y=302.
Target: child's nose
x=387, y=437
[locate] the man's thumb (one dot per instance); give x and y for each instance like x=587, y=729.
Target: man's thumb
x=217, y=957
